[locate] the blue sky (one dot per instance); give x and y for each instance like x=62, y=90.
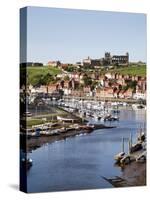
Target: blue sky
x=71, y=35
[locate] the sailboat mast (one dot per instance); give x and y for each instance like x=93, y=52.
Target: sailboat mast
x=129, y=146
x=123, y=144
x=130, y=140
x=140, y=131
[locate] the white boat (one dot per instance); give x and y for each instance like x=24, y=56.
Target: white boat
x=27, y=162
x=113, y=118
x=138, y=107
x=128, y=158
x=65, y=119
x=141, y=157
x=27, y=114
x=120, y=155
x=125, y=160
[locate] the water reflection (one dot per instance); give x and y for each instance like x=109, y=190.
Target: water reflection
x=80, y=162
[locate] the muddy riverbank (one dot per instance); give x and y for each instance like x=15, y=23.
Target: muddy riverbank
x=35, y=142
x=133, y=174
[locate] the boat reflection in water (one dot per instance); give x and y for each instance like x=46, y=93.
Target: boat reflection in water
x=81, y=162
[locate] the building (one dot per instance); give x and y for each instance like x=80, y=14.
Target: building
x=52, y=88
x=87, y=62
x=128, y=94
x=54, y=63
x=75, y=76
x=116, y=59
x=139, y=95
x=120, y=59
x=106, y=92
x=108, y=60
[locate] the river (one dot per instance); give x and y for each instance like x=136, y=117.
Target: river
x=80, y=162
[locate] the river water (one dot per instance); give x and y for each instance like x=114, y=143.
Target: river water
x=80, y=162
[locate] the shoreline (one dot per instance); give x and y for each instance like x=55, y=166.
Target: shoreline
x=131, y=175
x=35, y=142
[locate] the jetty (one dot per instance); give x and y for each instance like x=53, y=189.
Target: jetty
x=117, y=181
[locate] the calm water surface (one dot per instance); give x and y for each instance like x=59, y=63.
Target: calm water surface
x=80, y=162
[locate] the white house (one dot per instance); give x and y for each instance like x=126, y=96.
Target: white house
x=139, y=95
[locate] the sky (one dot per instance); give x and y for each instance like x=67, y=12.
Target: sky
x=71, y=35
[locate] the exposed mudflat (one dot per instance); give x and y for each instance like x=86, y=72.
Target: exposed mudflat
x=133, y=174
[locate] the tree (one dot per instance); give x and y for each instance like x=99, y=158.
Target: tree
x=131, y=84
x=120, y=87
x=93, y=85
x=87, y=81
x=66, y=78
x=47, y=79
x=125, y=87
x=70, y=68
x=36, y=81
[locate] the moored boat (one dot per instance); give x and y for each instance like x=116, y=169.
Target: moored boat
x=120, y=155
x=27, y=162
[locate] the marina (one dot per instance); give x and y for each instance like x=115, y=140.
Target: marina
x=88, y=160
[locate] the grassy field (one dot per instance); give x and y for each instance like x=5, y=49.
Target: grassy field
x=33, y=122
x=43, y=70
x=131, y=70
x=35, y=72
x=51, y=116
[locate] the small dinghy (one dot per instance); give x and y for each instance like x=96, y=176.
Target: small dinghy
x=27, y=162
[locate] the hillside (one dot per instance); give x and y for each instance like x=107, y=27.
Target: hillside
x=35, y=72
x=131, y=70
